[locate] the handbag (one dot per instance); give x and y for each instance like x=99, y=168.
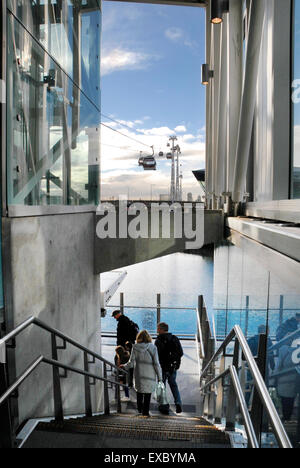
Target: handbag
x=160, y=394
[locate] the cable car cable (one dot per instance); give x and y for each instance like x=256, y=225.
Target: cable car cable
x=123, y=134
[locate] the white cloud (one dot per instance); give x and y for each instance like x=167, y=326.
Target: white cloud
x=174, y=34
x=119, y=163
x=161, y=131
x=180, y=129
x=177, y=35
x=121, y=59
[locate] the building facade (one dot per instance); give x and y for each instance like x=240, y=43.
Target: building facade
x=252, y=170
x=50, y=159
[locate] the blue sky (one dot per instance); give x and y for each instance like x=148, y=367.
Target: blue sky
x=151, y=81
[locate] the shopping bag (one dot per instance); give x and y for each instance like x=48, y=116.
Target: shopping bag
x=160, y=394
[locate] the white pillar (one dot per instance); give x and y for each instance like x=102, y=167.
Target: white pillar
x=234, y=82
x=256, y=24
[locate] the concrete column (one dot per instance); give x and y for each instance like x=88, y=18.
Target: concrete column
x=216, y=46
x=234, y=82
x=208, y=158
x=221, y=155
x=257, y=15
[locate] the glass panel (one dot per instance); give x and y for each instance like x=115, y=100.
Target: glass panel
x=70, y=32
x=267, y=288
x=181, y=322
x=296, y=104
x=53, y=130
x=284, y=379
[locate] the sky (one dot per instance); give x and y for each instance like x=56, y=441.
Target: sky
x=151, y=61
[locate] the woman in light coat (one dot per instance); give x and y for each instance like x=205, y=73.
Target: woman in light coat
x=147, y=370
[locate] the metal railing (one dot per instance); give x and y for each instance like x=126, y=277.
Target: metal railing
x=212, y=391
x=7, y=391
x=182, y=335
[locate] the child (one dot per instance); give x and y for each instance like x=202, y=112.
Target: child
x=122, y=357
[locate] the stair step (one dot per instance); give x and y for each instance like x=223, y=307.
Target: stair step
x=167, y=428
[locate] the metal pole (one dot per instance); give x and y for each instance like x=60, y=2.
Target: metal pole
x=118, y=393
x=6, y=432
x=158, y=320
x=87, y=388
x=58, y=404
x=122, y=302
x=172, y=188
x=257, y=407
x=231, y=403
x=106, y=395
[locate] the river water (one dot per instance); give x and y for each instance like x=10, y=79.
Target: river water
x=179, y=278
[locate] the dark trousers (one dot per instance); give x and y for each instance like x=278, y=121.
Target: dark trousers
x=170, y=377
x=143, y=403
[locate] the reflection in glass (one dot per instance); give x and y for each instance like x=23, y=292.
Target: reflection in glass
x=262, y=296
x=69, y=30
x=53, y=131
x=296, y=104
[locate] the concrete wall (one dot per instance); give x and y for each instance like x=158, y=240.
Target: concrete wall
x=49, y=274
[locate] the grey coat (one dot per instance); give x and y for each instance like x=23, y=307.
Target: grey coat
x=144, y=360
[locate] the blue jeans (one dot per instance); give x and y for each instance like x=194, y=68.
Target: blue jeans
x=171, y=378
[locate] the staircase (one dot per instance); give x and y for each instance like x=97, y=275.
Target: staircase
x=128, y=431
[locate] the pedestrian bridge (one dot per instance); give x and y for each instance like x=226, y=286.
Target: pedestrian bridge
x=133, y=232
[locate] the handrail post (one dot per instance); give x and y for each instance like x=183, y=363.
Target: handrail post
x=106, y=395
x=220, y=394
x=6, y=433
x=87, y=388
x=257, y=406
x=158, y=309
x=57, y=396
x=118, y=392
x=231, y=403
x=122, y=303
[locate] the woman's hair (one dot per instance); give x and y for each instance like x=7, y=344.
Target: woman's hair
x=128, y=345
x=143, y=337
x=121, y=352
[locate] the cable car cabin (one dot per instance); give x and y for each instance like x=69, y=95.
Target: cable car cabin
x=160, y=154
x=169, y=155
x=149, y=163
x=141, y=160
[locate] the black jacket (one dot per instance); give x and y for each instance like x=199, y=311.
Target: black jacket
x=124, y=330
x=169, y=351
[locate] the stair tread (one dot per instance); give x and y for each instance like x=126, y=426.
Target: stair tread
x=180, y=428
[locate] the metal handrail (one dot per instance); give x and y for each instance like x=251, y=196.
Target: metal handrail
x=34, y=321
x=263, y=393
x=56, y=365
x=150, y=307
x=53, y=363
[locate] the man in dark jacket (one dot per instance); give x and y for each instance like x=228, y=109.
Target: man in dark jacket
x=126, y=329
x=170, y=354
x=288, y=327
